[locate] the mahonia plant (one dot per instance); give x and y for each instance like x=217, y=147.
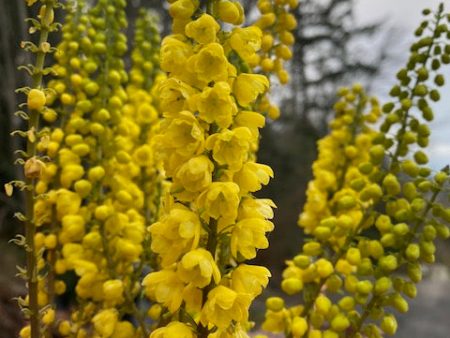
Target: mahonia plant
x=211, y=223
x=372, y=214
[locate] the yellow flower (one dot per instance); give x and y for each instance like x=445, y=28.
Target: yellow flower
x=173, y=95
x=252, y=176
x=203, y=30
x=197, y=267
x=210, y=64
x=183, y=8
x=175, y=234
x=174, y=54
x=113, y=291
x=246, y=41
x=180, y=138
x=223, y=306
x=230, y=147
x=220, y=201
x=105, y=322
x=124, y=330
x=173, y=330
x=249, y=235
x=193, y=176
x=165, y=287
x=256, y=208
x=247, y=87
x=250, y=279
x=215, y=104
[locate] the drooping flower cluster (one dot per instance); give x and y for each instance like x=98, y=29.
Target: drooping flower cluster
x=211, y=223
x=371, y=211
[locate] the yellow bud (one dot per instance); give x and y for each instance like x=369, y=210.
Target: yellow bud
x=48, y=317
x=292, y=285
x=39, y=240
x=102, y=212
x=64, y=328
x=83, y=187
x=275, y=304
x=154, y=311
x=324, y=268
x=388, y=263
x=353, y=256
x=25, y=332
x=340, y=323
x=323, y=304
x=299, y=326
x=50, y=241
x=36, y=99
x=389, y=325
x=60, y=287
x=113, y=290
x=96, y=173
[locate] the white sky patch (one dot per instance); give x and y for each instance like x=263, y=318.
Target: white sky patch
x=406, y=15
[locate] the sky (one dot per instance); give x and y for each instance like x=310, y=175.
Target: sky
x=405, y=16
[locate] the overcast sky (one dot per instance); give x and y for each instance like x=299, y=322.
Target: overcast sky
x=406, y=15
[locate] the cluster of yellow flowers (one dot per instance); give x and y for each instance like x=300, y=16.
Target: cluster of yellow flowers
x=371, y=212
x=100, y=188
x=211, y=223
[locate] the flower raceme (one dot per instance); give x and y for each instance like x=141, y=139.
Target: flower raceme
x=211, y=223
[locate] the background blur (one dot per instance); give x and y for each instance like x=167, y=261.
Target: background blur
x=339, y=42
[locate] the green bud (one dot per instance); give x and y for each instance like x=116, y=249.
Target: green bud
x=400, y=304
x=435, y=64
x=391, y=184
x=406, y=104
x=439, y=80
x=427, y=248
x=383, y=223
x=418, y=204
x=424, y=186
x=427, y=113
x=376, y=250
x=333, y=283
x=388, y=263
x=424, y=172
x=420, y=90
x=441, y=177
x=434, y=95
x=340, y=323
x=346, y=202
x=442, y=231
x=302, y=261
x=414, y=272
x=412, y=252
x=365, y=168
x=388, y=107
x=347, y=303
x=409, y=190
x=357, y=184
x=312, y=248
x=382, y=285
x=365, y=268
x=410, y=168
x=395, y=91
x=401, y=229
x=422, y=74
x=388, y=240
x=389, y=325
x=410, y=290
